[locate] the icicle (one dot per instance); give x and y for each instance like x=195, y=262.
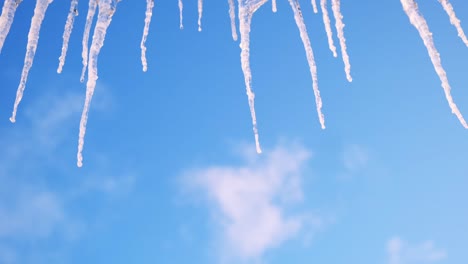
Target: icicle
x=106, y=11
x=273, y=6
x=33, y=39
x=454, y=20
x=339, y=29
x=89, y=20
x=246, y=10
x=232, y=15
x=200, y=12
x=6, y=19
x=326, y=21
x=67, y=32
x=310, y=57
x=149, y=13
x=181, y=8
x=417, y=20
x=314, y=6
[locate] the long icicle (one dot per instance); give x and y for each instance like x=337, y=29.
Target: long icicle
x=232, y=16
x=67, y=32
x=326, y=21
x=181, y=18
x=106, y=11
x=200, y=13
x=33, y=39
x=339, y=29
x=149, y=13
x=89, y=21
x=273, y=6
x=417, y=20
x=314, y=6
x=246, y=10
x=310, y=57
x=454, y=20
x=6, y=19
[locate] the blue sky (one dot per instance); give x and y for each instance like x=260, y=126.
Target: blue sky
x=170, y=172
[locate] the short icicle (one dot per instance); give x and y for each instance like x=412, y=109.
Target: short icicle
x=6, y=19
x=181, y=18
x=106, y=11
x=310, y=57
x=67, y=32
x=340, y=32
x=149, y=13
x=314, y=6
x=33, y=39
x=454, y=20
x=232, y=16
x=85, y=42
x=326, y=22
x=246, y=10
x=200, y=13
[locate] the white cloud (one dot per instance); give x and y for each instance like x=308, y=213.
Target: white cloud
x=402, y=252
x=253, y=200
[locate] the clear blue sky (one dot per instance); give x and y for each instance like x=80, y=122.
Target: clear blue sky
x=170, y=174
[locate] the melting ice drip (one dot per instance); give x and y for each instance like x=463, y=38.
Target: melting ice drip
x=246, y=10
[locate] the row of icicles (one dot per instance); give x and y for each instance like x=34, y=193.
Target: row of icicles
x=246, y=9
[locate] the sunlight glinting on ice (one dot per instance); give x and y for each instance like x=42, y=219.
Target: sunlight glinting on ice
x=246, y=10
x=149, y=13
x=6, y=19
x=339, y=29
x=417, y=20
x=310, y=57
x=200, y=13
x=232, y=16
x=33, y=39
x=67, y=32
x=454, y=20
x=314, y=6
x=326, y=21
x=89, y=20
x=181, y=18
x=273, y=6
x=106, y=11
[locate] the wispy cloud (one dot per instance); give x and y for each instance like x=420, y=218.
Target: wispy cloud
x=34, y=215
x=253, y=201
x=38, y=190
x=355, y=157
x=402, y=252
